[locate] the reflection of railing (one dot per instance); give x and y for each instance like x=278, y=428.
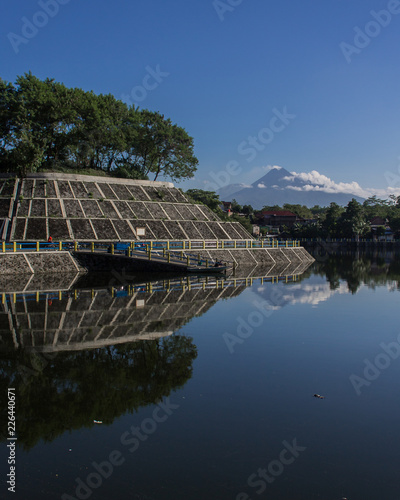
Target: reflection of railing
x=182, y=284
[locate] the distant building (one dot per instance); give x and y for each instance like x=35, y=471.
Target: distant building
x=226, y=206
x=277, y=218
x=378, y=222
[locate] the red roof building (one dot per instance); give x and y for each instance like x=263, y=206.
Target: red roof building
x=276, y=218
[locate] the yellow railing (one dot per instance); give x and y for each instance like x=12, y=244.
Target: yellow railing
x=150, y=245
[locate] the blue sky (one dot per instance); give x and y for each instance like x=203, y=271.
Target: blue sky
x=226, y=69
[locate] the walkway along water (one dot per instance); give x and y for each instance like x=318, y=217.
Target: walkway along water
x=150, y=256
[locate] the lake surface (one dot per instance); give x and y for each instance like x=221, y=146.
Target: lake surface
x=216, y=401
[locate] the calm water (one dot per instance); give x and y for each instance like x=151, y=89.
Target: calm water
x=220, y=403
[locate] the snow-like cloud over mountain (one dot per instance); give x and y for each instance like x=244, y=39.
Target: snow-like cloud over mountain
x=278, y=186
x=315, y=181
x=319, y=182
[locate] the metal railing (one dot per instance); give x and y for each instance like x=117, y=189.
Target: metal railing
x=173, y=245
x=168, y=251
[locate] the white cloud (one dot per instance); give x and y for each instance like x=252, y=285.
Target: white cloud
x=313, y=181
x=314, y=291
x=313, y=294
x=320, y=182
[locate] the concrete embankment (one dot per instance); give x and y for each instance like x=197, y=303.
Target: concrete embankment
x=256, y=256
x=38, y=262
x=282, y=260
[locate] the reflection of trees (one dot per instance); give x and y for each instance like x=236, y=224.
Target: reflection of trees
x=356, y=269
x=75, y=388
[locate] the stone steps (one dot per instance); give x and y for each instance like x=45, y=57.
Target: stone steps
x=85, y=208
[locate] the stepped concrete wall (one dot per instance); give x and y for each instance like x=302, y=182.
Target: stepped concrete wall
x=38, y=262
x=261, y=261
x=85, y=208
x=267, y=261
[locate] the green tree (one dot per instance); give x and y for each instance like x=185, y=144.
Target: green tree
x=209, y=198
x=394, y=223
x=375, y=207
x=47, y=126
x=331, y=224
x=236, y=207
x=248, y=210
x=299, y=210
x=268, y=208
x=353, y=220
x=318, y=211
x=162, y=148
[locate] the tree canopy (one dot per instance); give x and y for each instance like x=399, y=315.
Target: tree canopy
x=46, y=126
x=208, y=198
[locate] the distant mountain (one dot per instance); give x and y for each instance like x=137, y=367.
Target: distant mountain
x=279, y=186
x=226, y=191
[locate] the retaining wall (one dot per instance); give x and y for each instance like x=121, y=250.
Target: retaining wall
x=85, y=208
x=38, y=263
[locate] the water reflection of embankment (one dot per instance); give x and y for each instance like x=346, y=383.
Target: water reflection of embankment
x=99, y=310
x=79, y=349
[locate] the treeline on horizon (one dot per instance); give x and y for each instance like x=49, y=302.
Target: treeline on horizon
x=333, y=221
x=46, y=126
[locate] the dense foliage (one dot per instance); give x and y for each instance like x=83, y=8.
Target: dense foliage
x=352, y=221
x=335, y=221
x=46, y=126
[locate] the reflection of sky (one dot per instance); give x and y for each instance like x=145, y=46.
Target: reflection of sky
x=313, y=291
